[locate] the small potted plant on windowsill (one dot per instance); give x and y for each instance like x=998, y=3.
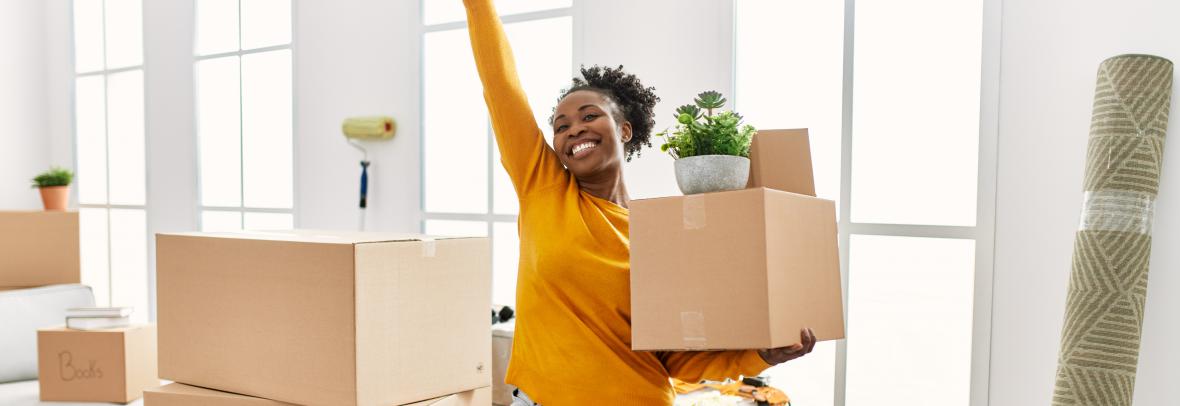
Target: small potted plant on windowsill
x=712, y=150
x=55, y=188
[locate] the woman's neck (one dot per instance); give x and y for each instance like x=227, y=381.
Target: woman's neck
x=610, y=188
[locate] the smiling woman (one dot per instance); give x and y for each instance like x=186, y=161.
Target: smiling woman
x=574, y=306
x=605, y=116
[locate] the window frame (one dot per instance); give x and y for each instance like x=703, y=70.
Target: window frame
x=241, y=209
x=105, y=73
x=490, y=218
x=982, y=233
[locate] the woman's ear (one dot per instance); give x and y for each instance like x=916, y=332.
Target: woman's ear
x=625, y=130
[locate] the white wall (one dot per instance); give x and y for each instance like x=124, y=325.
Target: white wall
x=355, y=58
x=24, y=145
x=1050, y=57
x=658, y=51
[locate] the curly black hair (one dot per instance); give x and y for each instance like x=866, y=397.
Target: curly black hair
x=634, y=102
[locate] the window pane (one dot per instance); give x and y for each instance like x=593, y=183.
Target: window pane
x=265, y=23
x=455, y=145
x=505, y=263
x=88, y=35
x=916, y=112
x=212, y=221
x=217, y=26
x=543, y=49
x=909, y=293
x=124, y=26
x=92, y=229
x=445, y=11
x=269, y=221
x=129, y=283
x=266, y=129
x=810, y=380
x=90, y=130
x=126, y=141
x=776, y=91
x=456, y=228
x=218, y=131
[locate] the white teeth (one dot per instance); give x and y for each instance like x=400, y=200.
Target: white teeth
x=583, y=146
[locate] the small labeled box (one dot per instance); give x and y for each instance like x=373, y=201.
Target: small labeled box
x=113, y=365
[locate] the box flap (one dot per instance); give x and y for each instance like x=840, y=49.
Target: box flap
x=781, y=159
x=318, y=236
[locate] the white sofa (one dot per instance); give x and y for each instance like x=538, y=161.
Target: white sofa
x=22, y=312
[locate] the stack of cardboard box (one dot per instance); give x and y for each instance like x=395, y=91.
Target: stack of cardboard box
x=40, y=249
x=322, y=318
x=744, y=269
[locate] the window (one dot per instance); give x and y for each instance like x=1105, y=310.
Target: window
x=909, y=237
x=465, y=189
x=109, y=143
x=244, y=114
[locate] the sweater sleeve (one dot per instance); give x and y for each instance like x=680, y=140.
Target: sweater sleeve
x=694, y=366
x=530, y=162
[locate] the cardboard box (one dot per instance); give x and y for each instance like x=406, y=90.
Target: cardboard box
x=178, y=394
x=96, y=366
x=38, y=248
x=781, y=160
x=325, y=318
x=501, y=353
x=741, y=269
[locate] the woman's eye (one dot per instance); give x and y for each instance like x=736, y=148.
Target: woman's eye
x=560, y=128
x=589, y=117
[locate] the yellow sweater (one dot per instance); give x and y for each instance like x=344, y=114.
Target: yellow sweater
x=573, y=335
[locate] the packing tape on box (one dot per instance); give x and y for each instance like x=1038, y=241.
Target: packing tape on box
x=1117, y=210
x=428, y=247
x=694, y=212
x=692, y=329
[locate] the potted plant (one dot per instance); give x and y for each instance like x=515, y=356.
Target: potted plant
x=55, y=188
x=712, y=151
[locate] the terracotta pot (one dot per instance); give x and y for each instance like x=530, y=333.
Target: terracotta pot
x=55, y=198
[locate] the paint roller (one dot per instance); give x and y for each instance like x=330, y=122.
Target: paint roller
x=358, y=131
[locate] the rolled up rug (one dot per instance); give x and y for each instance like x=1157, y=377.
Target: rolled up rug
x=1108, y=285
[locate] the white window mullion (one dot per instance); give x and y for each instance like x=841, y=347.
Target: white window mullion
x=268, y=27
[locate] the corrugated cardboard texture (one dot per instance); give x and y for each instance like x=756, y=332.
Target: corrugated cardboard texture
x=304, y=318
x=733, y=270
x=781, y=160
x=258, y=317
x=804, y=279
x=38, y=248
x=422, y=314
x=477, y=397
x=178, y=394
x=96, y=366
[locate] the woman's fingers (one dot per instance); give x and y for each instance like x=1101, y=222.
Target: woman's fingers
x=811, y=340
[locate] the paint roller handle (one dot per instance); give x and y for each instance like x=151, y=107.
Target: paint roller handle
x=364, y=183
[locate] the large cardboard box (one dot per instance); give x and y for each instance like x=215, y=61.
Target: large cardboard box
x=38, y=248
x=742, y=269
x=325, y=318
x=96, y=366
x=178, y=394
x=781, y=160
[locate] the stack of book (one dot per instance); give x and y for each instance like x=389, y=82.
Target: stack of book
x=98, y=318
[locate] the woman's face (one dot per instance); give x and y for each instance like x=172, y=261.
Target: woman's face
x=587, y=135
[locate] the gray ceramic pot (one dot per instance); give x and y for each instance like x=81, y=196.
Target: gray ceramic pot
x=712, y=173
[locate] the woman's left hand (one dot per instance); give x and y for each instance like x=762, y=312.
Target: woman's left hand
x=775, y=356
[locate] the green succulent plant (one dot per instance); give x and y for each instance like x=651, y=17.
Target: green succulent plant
x=708, y=133
x=55, y=176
